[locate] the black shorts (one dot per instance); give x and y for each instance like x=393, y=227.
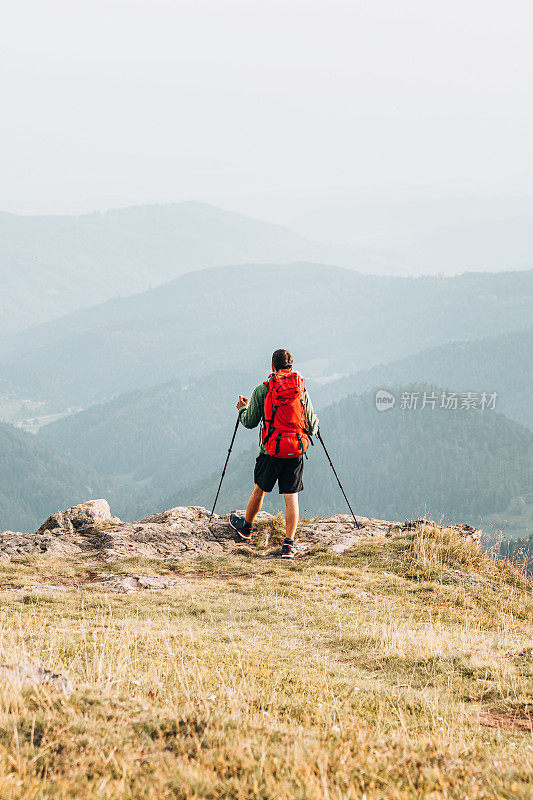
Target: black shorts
x=288, y=472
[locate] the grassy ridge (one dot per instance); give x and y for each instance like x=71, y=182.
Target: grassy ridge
x=400, y=671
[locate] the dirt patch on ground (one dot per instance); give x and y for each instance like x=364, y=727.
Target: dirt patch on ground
x=518, y=719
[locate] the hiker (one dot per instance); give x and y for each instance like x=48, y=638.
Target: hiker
x=283, y=407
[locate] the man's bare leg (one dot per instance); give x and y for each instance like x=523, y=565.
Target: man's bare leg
x=254, y=504
x=292, y=514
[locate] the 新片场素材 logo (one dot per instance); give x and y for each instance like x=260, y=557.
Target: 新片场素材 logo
x=384, y=400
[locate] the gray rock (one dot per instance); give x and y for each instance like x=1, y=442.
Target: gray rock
x=57, y=542
x=92, y=514
x=25, y=674
x=126, y=584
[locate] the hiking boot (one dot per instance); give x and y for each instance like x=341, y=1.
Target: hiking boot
x=288, y=550
x=243, y=528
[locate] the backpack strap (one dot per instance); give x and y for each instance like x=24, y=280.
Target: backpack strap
x=262, y=422
x=302, y=397
x=269, y=422
x=270, y=430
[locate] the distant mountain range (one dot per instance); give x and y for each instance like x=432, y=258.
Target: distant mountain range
x=234, y=317
x=504, y=244
x=52, y=265
x=494, y=364
x=447, y=235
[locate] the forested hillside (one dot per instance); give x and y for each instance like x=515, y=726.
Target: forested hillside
x=236, y=316
x=155, y=440
x=495, y=364
x=35, y=481
x=398, y=464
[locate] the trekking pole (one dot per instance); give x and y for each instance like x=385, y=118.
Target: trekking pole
x=338, y=479
x=225, y=465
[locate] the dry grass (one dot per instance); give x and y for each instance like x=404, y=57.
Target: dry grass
x=329, y=678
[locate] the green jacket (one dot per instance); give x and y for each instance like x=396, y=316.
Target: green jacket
x=252, y=415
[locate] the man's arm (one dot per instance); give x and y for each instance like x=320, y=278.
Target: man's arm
x=250, y=414
x=312, y=419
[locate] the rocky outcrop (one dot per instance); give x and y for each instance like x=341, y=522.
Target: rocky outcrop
x=90, y=530
x=93, y=513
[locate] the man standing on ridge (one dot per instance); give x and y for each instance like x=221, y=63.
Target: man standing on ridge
x=288, y=420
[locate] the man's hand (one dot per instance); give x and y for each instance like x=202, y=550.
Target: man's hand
x=242, y=402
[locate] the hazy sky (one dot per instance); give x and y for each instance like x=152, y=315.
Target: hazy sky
x=263, y=106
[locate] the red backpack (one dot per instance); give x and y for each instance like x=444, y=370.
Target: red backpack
x=284, y=433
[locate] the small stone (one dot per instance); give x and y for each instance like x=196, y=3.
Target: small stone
x=25, y=674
